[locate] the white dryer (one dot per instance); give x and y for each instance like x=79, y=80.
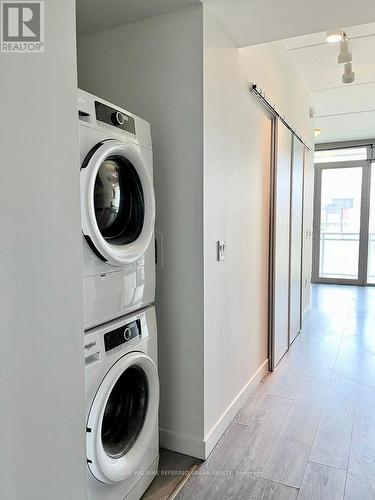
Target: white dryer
x=122, y=400
x=117, y=210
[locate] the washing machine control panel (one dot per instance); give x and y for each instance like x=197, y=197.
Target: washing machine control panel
x=113, y=116
x=123, y=334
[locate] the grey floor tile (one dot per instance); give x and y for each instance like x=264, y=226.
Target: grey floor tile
x=333, y=438
x=359, y=364
x=312, y=393
x=291, y=452
x=342, y=392
x=365, y=404
x=260, y=435
x=288, y=384
x=360, y=484
x=358, y=343
x=322, y=482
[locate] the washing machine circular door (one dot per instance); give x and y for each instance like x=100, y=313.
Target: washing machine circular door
x=117, y=202
x=122, y=420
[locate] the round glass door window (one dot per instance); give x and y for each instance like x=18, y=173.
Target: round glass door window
x=119, y=201
x=125, y=412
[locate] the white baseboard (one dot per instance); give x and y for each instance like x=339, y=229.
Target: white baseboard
x=187, y=444
x=226, y=418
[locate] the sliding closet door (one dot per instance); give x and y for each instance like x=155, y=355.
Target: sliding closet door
x=280, y=244
x=296, y=212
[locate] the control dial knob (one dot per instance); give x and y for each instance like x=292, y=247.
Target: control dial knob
x=117, y=118
x=127, y=334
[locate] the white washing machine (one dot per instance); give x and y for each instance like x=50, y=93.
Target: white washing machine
x=117, y=210
x=122, y=401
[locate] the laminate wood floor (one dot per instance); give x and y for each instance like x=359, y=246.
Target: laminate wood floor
x=308, y=430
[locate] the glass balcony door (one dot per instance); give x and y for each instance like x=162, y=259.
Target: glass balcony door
x=341, y=222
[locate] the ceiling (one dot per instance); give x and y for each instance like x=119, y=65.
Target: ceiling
x=248, y=21
x=96, y=15
x=251, y=21
x=343, y=111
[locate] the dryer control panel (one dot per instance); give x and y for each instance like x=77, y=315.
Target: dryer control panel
x=123, y=334
x=113, y=116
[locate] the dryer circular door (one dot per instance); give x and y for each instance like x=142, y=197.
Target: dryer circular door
x=122, y=419
x=117, y=202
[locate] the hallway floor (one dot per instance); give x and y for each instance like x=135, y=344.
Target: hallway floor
x=308, y=431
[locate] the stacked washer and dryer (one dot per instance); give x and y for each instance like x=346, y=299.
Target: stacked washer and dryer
x=120, y=340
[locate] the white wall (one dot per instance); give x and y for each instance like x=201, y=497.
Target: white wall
x=42, y=448
x=236, y=177
x=237, y=139
x=154, y=68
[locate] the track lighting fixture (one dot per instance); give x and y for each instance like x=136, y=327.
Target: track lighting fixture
x=345, y=56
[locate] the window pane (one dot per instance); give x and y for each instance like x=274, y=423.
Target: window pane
x=340, y=222
x=346, y=154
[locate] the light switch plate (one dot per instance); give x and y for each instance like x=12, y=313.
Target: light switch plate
x=221, y=250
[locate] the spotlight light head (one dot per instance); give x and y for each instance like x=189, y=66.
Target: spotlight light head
x=348, y=75
x=334, y=36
